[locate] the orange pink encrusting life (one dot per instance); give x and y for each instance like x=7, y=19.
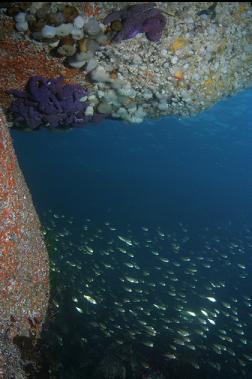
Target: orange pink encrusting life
x=24, y=265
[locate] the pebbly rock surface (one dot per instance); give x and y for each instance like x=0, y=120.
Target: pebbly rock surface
x=24, y=265
x=203, y=53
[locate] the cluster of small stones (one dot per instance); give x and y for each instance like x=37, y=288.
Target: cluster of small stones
x=198, y=61
x=200, y=58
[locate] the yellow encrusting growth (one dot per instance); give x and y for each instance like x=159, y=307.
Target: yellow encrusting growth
x=179, y=43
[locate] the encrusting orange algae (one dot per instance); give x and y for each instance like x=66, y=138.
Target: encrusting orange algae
x=24, y=265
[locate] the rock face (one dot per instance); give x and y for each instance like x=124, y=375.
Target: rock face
x=139, y=61
x=24, y=265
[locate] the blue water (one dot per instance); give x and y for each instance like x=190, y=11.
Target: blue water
x=197, y=170
x=158, y=174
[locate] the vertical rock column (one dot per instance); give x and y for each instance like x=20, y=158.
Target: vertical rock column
x=24, y=265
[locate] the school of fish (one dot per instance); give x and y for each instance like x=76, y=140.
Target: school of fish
x=179, y=295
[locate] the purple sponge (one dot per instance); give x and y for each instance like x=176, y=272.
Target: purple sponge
x=139, y=18
x=50, y=102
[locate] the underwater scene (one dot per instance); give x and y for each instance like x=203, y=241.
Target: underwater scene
x=149, y=232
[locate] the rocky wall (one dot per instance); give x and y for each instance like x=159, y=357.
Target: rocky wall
x=24, y=265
